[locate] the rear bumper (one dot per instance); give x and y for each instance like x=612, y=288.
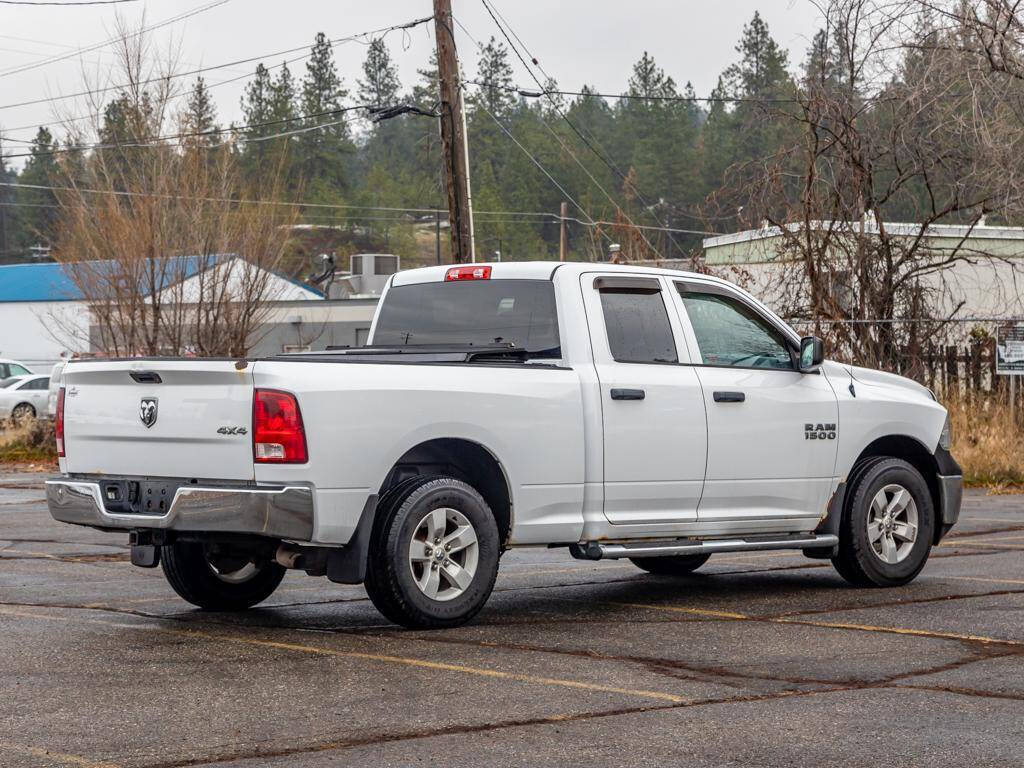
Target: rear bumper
x=281, y=513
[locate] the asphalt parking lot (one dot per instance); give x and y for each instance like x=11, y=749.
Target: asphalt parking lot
x=759, y=659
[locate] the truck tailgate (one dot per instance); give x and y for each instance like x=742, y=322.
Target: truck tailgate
x=165, y=418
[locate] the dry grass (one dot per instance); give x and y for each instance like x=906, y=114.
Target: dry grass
x=986, y=442
x=31, y=443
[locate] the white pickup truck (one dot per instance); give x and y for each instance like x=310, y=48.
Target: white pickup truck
x=620, y=412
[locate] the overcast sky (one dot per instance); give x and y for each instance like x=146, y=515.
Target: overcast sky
x=578, y=42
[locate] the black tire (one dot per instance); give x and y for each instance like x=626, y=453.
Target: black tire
x=672, y=565
x=22, y=413
x=857, y=560
x=188, y=569
x=390, y=579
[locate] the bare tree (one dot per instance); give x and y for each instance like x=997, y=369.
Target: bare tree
x=170, y=250
x=893, y=128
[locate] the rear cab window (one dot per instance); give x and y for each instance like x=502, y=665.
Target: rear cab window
x=472, y=312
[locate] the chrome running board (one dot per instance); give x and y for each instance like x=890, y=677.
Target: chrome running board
x=597, y=550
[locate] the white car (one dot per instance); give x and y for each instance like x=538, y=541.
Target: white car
x=11, y=368
x=614, y=411
x=23, y=397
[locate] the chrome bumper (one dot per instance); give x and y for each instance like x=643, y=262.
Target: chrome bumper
x=951, y=493
x=281, y=513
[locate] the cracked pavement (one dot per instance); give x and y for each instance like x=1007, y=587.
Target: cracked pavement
x=758, y=659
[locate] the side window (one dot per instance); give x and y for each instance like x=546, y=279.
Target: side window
x=637, y=324
x=43, y=384
x=5, y=371
x=18, y=370
x=731, y=333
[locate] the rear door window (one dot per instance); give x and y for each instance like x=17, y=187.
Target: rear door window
x=637, y=324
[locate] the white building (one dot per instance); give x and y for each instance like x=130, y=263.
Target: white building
x=986, y=283
x=44, y=316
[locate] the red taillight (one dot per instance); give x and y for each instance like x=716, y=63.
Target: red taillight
x=58, y=423
x=468, y=273
x=277, y=433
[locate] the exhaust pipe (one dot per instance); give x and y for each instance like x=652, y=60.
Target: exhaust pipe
x=290, y=556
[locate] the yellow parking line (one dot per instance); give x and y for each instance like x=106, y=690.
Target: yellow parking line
x=47, y=754
x=374, y=657
x=987, y=581
x=714, y=614
x=987, y=544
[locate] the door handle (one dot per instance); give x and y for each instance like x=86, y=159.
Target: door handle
x=628, y=394
x=729, y=397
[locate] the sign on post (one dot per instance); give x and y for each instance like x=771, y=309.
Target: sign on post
x=1010, y=350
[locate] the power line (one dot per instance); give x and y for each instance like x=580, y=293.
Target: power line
x=155, y=141
x=552, y=217
x=599, y=151
x=557, y=138
x=65, y=4
x=200, y=70
x=97, y=46
x=540, y=166
x=211, y=86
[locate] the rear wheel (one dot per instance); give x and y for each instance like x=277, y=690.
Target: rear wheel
x=218, y=580
x=673, y=565
x=434, y=554
x=886, y=532
x=22, y=413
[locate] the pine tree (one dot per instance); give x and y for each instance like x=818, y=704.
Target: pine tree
x=761, y=70
x=38, y=214
x=321, y=152
x=256, y=101
x=425, y=94
x=494, y=77
x=256, y=110
x=10, y=226
x=819, y=66
x=282, y=104
x=200, y=118
x=381, y=85
x=649, y=80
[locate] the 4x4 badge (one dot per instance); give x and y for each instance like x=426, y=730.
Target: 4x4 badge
x=147, y=411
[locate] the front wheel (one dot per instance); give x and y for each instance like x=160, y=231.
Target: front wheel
x=434, y=554
x=887, y=528
x=218, y=580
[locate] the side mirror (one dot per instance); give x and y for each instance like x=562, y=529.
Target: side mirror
x=812, y=354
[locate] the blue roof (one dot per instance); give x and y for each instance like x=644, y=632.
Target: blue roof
x=37, y=282
x=55, y=282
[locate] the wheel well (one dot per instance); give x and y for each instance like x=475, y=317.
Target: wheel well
x=464, y=460
x=915, y=454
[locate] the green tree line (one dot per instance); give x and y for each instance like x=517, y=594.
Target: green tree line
x=653, y=155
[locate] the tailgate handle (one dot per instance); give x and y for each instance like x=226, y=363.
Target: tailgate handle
x=146, y=377
x=729, y=397
x=628, y=394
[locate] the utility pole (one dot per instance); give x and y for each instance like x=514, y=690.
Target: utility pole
x=454, y=148
x=563, y=241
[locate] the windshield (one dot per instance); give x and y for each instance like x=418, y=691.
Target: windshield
x=5, y=383
x=476, y=312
